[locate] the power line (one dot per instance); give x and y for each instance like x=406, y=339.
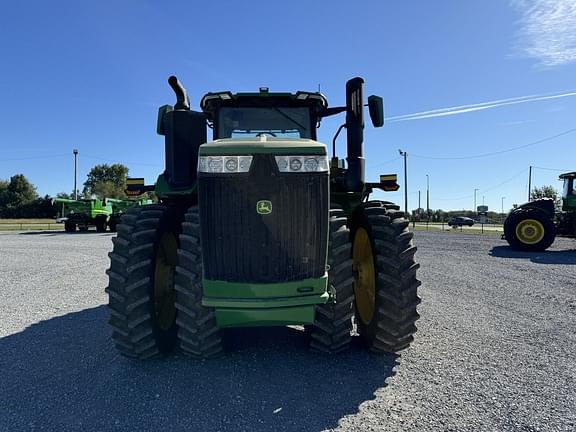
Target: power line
x=551, y=169
x=123, y=162
x=35, y=157
x=385, y=163
x=549, y=138
x=485, y=190
x=515, y=176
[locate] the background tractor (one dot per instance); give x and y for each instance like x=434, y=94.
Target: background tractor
x=257, y=228
x=534, y=226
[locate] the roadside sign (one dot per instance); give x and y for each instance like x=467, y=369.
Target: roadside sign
x=482, y=219
x=482, y=209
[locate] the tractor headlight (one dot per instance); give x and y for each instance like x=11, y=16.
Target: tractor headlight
x=302, y=163
x=295, y=164
x=224, y=164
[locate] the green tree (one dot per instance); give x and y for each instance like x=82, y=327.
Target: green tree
x=106, y=181
x=15, y=194
x=19, y=191
x=108, y=190
x=3, y=193
x=546, y=192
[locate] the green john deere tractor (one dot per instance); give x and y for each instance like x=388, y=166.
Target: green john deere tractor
x=257, y=228
x=534, y=226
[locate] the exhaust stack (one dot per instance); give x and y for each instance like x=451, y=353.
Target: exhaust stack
x=355, y=134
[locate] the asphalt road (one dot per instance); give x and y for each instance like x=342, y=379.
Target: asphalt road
x=495, y=351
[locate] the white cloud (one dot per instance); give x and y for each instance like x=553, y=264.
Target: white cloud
x=547, y=30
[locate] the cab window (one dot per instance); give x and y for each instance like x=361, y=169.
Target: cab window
x=280, y=122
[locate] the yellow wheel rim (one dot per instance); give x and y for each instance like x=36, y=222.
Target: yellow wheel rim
x=364, y=276
x=530, y=231
x=164, y=293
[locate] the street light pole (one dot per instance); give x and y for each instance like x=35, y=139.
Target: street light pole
x=428, y=196
x=419, y=207
x=529, y=182
x=475, y=190
x=503, y=208
x=75, y=151
x=404, y=154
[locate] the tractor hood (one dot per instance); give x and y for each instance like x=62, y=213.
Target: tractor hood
x=264, y=144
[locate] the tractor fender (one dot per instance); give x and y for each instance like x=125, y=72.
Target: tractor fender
x=544, y=204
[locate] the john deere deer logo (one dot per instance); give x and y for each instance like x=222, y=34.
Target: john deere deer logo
x=264, y=207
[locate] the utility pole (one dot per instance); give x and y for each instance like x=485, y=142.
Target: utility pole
x=482, y=199
x=474, y=209
x=503, y=209
x=428, y=196
x=529, y=182
x=75, y=151
x=419, y=205
x=404, y=154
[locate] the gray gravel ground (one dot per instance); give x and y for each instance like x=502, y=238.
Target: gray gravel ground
x=495, y=351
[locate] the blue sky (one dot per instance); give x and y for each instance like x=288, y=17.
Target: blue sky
x=90, y=75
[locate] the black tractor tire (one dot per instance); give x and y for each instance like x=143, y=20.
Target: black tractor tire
x=199, y=335
x=83, y=228
x=394, y=311
x=136, y=330
x=112, y=226
x=331, y=332
x=532, y=216
x=69, y=226
x=100, y=225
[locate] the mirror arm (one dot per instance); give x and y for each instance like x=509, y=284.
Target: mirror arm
x=342, y=126
x=331, y=111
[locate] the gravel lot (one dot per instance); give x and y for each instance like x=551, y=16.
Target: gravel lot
x=495, y=351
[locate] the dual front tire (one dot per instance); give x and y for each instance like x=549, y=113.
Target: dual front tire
x=154, y=277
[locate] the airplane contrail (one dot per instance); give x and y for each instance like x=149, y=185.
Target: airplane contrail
x=462, y=109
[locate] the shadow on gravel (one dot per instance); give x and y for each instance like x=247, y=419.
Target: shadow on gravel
x=546, y=257
x=52, y=233
x=64, y=374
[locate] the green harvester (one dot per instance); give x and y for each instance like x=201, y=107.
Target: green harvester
x=258, y=227
x=84, y=213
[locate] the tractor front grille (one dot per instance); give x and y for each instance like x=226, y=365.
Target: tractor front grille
x=241, y=245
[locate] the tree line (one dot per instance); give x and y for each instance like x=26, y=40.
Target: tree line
x=19, y=197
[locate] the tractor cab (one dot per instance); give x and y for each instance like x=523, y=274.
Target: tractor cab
x=275, y=115
x=568, y=192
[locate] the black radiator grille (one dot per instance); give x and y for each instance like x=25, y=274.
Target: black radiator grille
x=240, y=245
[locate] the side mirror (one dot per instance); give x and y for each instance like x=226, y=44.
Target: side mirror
x=376, y=109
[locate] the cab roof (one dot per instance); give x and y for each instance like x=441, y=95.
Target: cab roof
x=568, y=175
x=211, y=102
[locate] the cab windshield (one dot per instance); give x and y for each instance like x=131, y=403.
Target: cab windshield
x=281, y=122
